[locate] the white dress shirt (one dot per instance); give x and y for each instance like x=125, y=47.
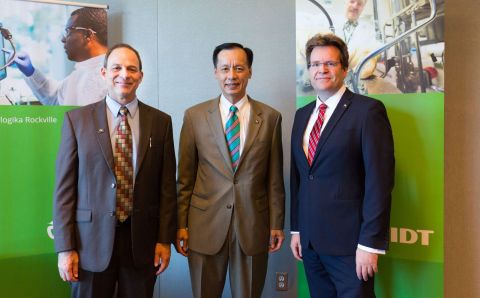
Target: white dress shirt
x=243, y=115
x=83, y=86
x=331, y=103
x=133, y=118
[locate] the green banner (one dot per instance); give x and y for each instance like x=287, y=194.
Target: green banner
x=413, y=267
x=30, y=138
x=396, y=55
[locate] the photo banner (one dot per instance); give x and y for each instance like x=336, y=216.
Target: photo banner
x=397, y=56
x=30, y=128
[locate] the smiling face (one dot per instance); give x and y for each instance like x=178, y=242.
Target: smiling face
x=122, y=75
x=232, y=72
x=326, y=80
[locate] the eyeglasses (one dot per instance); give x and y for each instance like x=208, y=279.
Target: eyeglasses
x=68, y=30
x=328, y=64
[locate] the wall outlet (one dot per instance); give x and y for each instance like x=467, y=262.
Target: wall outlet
x=281, y=281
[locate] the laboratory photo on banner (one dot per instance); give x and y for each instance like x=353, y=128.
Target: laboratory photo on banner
x=396, y=55
x=395, y=46
x=51, y=54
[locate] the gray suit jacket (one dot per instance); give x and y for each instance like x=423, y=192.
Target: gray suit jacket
x=84, y=200
x=209, y=190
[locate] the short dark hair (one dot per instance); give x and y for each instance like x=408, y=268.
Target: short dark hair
x=95, y=19
x=229, y=46
x=118, y=46
x=326, y=40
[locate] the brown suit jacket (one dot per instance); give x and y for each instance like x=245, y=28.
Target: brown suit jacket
x=209, y=190
x=84, y=200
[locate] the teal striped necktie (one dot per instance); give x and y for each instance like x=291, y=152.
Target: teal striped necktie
x=232, y=134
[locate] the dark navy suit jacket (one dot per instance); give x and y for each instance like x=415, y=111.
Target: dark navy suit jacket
x=344, y=198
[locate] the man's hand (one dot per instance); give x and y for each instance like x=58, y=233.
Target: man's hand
x=296, y=247
x=68, y=265
x=276, y=240
x=181, y=244
x=23, y=62
x=162, y=256
x=366, y=264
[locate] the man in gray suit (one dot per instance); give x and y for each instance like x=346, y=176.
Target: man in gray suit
x=231, y=192
x=115, y=196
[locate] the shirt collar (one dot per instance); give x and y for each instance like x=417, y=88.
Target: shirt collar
x=114, y=106
x=91, y=62
x=225, y=104
x=350, y=24
x=333, y=100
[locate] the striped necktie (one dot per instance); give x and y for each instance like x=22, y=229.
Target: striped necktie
x=315, y=133
x=123, y=166
x=232, y=135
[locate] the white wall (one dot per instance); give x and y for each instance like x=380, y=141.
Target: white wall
x=176, y=40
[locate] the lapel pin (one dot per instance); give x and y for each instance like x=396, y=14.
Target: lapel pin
x=100, y=130
x=256, y=121
x=345, y=105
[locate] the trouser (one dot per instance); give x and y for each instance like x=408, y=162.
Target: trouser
x=247, y=273
x=334, y=276
x=121, y=274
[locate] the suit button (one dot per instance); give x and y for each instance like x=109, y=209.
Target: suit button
x=111, y=213
x=310, y=177
x=229, y=206
x=114, y=185
x=235, y=181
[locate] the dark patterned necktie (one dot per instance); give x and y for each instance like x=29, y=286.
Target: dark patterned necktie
x=232, y=134
x=315, y=133
x=123, y=166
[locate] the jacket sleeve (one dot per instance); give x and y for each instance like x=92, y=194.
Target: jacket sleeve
x=379, y=162
x=168, y=202
x=276, y=188
x=65, y=195
x=187, y=170
x=294, y=185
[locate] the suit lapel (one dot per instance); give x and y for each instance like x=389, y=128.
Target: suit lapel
x=342, y=106
x=254, y=124
x=303, y=119
x=99, y=113
x=145, y=132
x=215, y=122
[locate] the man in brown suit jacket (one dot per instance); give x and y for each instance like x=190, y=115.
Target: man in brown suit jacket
x=97, y=248
x=231, y=211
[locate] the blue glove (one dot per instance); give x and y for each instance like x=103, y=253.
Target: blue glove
x=22, y=60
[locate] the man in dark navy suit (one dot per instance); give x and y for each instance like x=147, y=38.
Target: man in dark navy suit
x=342, y=175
